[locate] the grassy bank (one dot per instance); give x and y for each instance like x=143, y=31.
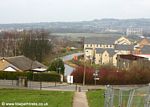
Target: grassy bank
x=71, y=64
x=95, y=98
x=52, y=98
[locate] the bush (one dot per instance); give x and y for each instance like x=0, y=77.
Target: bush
x=11, y=75
x=110, y=75
x=136, y=75
x=79, y=72
x=51, y=77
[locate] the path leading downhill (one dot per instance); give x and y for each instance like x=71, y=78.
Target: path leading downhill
x=80, y=100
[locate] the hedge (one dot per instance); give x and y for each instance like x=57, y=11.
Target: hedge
x=49, y=77
x=52, y=77
x=112, y=76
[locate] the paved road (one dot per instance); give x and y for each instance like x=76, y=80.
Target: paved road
x=49, y=85
x=80, y=100
x=69, y=69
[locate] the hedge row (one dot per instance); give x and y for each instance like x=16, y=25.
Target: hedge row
x=49, y=77
x=112, y=76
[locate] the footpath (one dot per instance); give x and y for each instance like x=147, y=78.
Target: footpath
x=80, y=100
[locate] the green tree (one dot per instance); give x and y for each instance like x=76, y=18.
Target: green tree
x=57, y=65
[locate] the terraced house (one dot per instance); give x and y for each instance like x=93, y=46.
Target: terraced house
x=104, y=50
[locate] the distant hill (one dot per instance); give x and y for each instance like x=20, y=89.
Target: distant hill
x=94, y=26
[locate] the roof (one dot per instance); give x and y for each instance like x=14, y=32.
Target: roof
x=135, y=56
x=146, y=49
x=23, y=63
x=110, y=51
x=124, y=47
x=144, y=56
x=134, y=38
x=130, y=57
x=101, y=40
x=144, y=41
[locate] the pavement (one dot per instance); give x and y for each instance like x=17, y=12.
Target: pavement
x=80, y=100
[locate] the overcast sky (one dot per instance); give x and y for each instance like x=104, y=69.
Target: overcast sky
x=22, y=11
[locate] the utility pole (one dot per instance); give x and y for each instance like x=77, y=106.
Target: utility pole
x=84, y=67
x=84, y=73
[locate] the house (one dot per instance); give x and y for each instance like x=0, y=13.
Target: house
x=132, y=31
x=20, y=63
x=99, y=42
x=104, y=50
x=124, y=49
x=143, y=47
x=124, y=62
x=123, y=41
x=104, y=56
x=143, y=42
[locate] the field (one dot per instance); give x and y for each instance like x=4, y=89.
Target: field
x=95, y=98
x=45, y=98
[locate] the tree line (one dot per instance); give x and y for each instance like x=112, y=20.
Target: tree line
x=34, y=44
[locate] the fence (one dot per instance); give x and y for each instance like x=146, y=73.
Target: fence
x=127, y=97
x=30, y=84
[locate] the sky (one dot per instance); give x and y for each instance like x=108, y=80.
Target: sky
x=27, y=11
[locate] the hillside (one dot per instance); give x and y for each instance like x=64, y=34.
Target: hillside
x=94, y=26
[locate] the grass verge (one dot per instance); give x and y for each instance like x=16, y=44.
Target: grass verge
x=52, y=98
x=95, y=98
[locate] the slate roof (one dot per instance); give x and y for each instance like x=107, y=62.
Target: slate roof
x=146, y=49
x=100, y=50
x=134, y=38
x=147, y=39
x=110, y=51
x=23, y=63
x=124, y=47
x=101, y=40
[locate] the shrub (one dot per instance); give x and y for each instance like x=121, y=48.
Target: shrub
x=110, y=75
x=46, y=77
x=79, y=72
x=136, y=75
x=51, y=77
x=11, y=75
